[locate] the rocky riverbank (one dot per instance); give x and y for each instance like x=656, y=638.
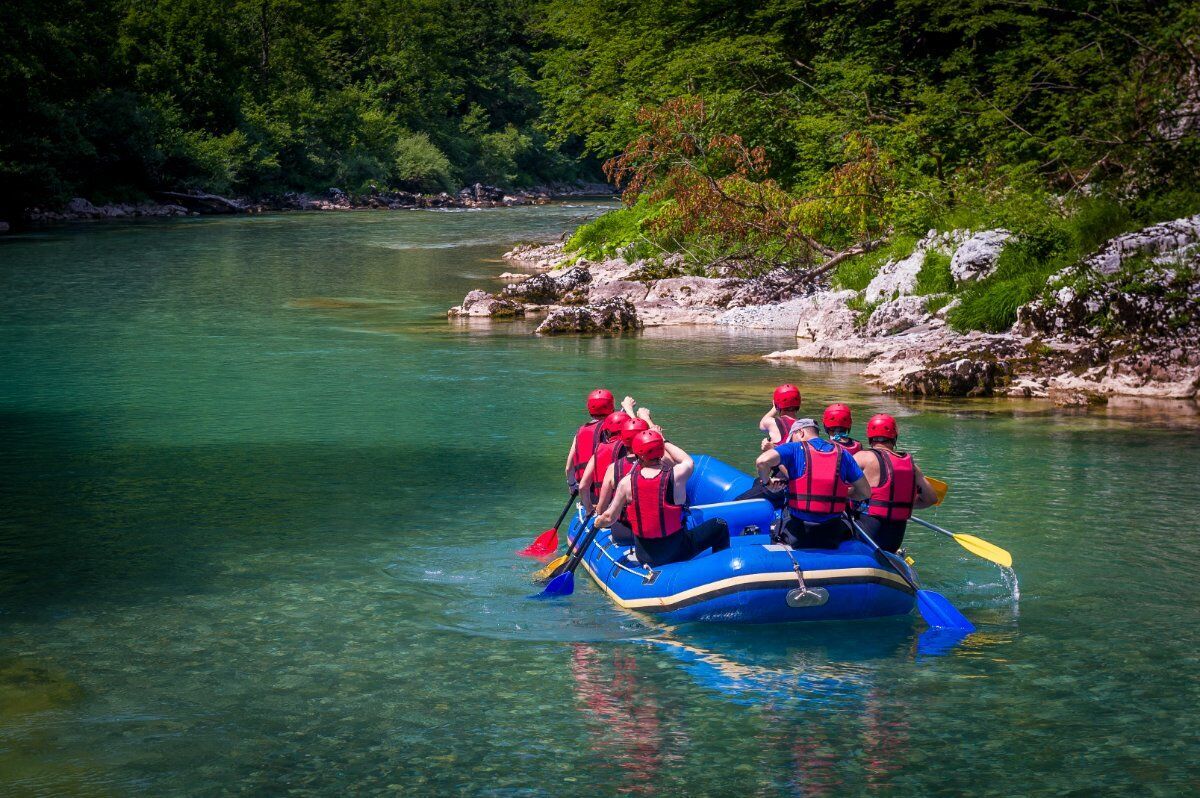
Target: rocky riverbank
x=1124, y=321
x=182, y=203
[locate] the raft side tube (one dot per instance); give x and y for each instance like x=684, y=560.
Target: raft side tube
x=739, y=515
x=714, y=481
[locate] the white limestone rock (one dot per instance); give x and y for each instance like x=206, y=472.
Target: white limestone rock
x=976, y=257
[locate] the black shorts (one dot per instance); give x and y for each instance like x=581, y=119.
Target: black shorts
x=888, y=534
x=815, y=534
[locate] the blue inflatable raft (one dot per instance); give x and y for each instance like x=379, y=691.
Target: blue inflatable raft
x=754, y=581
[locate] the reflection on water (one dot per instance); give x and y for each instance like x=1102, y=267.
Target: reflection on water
x=259, y=501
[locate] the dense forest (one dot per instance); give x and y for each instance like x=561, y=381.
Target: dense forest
x=801, y=128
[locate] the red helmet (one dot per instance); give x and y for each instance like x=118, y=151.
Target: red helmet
x=613, y=422
x=837, y=415
x=882, y=426
x=631, y=428
x=787, y=397
x=648, y=445
x=600, y=402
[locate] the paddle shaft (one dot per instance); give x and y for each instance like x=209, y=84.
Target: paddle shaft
x=934, y=527
x=863, y=534
x=577, y=555
x=563, y=514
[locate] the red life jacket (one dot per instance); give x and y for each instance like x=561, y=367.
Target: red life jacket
x=587, y=440
x=606, y=453
x=784, y=425
x=893, y=499
x=852, y=446
x=820, y=488
x=651, y=515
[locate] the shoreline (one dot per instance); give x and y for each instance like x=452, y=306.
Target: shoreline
x=1122, y=322
x=175, y=204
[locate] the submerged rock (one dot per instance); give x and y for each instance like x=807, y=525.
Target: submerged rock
x=482, y=304
x=610, y=315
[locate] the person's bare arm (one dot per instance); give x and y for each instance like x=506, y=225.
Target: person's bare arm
x=926, y=495
x=619, y=500
x=766, y=462
x=607, y=488
x=682, y=468
x=627, y=404
x=585, y=485
x=767, y=424
x=571, y=462
x=860, y=489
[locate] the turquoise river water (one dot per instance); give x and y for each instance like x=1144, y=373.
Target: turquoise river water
x=259, y=501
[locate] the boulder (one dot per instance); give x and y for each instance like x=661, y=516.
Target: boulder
x=1157, y=239
x=545, y=289
x=694, y=291
x=482, y=304
x=899, y=277
x=897, y=316
x=541, y=257
x=976, y=257
x=610, y=315
x=81, y=207
x=965, y=376
x=827, y=316
x=626, y=289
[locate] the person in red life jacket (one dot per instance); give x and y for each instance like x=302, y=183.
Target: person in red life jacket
x=779, y=419
x=600, y=404
x=837, y=422
x=607, y=451
x=654, y=494
x=822, y=479
x=621, y=531
x=897, y=486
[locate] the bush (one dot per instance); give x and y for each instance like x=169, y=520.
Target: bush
x=617, y=232
x=500, y=154
x=418, y=165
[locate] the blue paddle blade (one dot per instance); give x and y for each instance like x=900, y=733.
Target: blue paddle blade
x=939, y=613
x=939, y=642
x=561, y=585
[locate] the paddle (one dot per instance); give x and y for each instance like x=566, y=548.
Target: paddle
x=564, y=583
x=939, y=489
x=935, y=608
x=547, y=542
x=977, y=546
x=555, y=566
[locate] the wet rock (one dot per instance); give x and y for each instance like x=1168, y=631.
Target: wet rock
x=1073, y=397
x=827, y=316
x=966, y=376
x=1157, y=239
x=482, y=304
x=897, y=316
x=694, y=291
x=542, y=257
x=976, y=257
x=610, y=315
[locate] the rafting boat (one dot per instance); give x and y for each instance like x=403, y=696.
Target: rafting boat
x=754, y=580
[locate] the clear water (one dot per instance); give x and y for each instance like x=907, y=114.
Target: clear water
x=258, y=507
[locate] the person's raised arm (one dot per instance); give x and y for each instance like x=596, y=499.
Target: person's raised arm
x=767, y=424
x=627, y=404
x=613, y=511
x=570, y=470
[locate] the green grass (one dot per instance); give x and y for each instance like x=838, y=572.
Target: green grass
x=936, y=303
x=856, y=273
x=612, y=233
x=934, y=277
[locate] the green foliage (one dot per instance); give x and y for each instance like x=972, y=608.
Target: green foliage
x=418, y=165
x=621, y=230
x=936, y=303
x=934, y=276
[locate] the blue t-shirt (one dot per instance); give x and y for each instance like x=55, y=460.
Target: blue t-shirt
x=791, y=457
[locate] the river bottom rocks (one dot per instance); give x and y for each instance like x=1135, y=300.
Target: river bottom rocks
x=1124, y=322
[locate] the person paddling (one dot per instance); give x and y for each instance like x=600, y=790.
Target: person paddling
x=600, y=404
x=897, y=485
x=821, y=480
x=777, y=423
x=655, y=494
x=607, y=451
x=837, y=422
x=621, y=531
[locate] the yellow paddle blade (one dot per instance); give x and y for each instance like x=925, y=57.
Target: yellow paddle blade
x=547, y=570
x=939, y=489
x=988, y=551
